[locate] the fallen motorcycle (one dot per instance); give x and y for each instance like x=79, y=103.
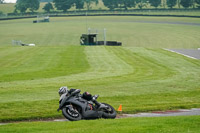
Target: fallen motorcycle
x=75, y=108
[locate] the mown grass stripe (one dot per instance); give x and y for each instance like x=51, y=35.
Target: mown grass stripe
x=42, y=62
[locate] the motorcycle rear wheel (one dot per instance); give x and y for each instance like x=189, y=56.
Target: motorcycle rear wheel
x=71, y=115
x=109, y=114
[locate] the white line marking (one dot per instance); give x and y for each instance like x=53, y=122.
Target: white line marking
x=180, y=53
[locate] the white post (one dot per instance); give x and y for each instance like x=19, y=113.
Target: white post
x=37, y=18
x=13, y=42
x=104, y=36
x=86, y=21
x=89, y=30
x=97, y=35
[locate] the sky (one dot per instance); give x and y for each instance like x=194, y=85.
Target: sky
x=10, y=1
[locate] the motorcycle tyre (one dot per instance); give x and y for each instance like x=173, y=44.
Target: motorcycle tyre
x=108, y=115
x=69, y=117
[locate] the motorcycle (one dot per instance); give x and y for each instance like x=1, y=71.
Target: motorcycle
x=75, y=108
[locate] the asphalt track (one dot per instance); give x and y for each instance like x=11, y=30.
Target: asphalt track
x=118, y=21
x=180, y=112
x=139, y=21
x=162, y=22
x=191, y=53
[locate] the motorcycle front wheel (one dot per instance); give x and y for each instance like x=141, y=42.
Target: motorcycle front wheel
x=109, y=113
x=71, y=114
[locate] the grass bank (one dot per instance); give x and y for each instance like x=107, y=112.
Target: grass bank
x=138, y=78
x=140, y=75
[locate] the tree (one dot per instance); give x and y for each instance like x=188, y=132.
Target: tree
x=179, y=5
x=142, y=3
x=186, y=3
x=198, y=2
x=89, y=2
x=63, y=4
x=111, y=4
x=155, y=3
x=79, y=4
x=193, y=3
x=33, y=5
x=23, y=5
x=127, y=3
x=48, y=7
x=171, y=3
x=1, y=1
x=46, y=0
x=164, y=3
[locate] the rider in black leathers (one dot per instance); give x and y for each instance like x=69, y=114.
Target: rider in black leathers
x=86, y=95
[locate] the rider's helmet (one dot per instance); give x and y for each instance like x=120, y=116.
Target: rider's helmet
x=87, y=96
x=62, y=90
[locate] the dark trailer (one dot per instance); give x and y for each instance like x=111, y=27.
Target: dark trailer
x=88, y=39
x=91, y=39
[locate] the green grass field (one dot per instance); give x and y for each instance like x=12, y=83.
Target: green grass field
x=140, y=75
x=132, y=31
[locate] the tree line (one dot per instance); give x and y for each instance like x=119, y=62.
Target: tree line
x=1, y=1
x=113, y=4
x=64, y=5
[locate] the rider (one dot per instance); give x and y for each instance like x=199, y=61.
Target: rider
x=86, y=95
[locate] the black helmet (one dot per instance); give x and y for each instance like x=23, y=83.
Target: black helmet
x=62, y=90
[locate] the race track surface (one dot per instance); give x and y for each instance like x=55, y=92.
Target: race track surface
x=191, y=53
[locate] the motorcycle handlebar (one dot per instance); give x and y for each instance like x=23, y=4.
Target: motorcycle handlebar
x=75, y=92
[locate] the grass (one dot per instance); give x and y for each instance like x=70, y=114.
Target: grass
x=119, y=75
x=132, y=31
x=46, y=62
x=140, y=75
x=181, y=124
